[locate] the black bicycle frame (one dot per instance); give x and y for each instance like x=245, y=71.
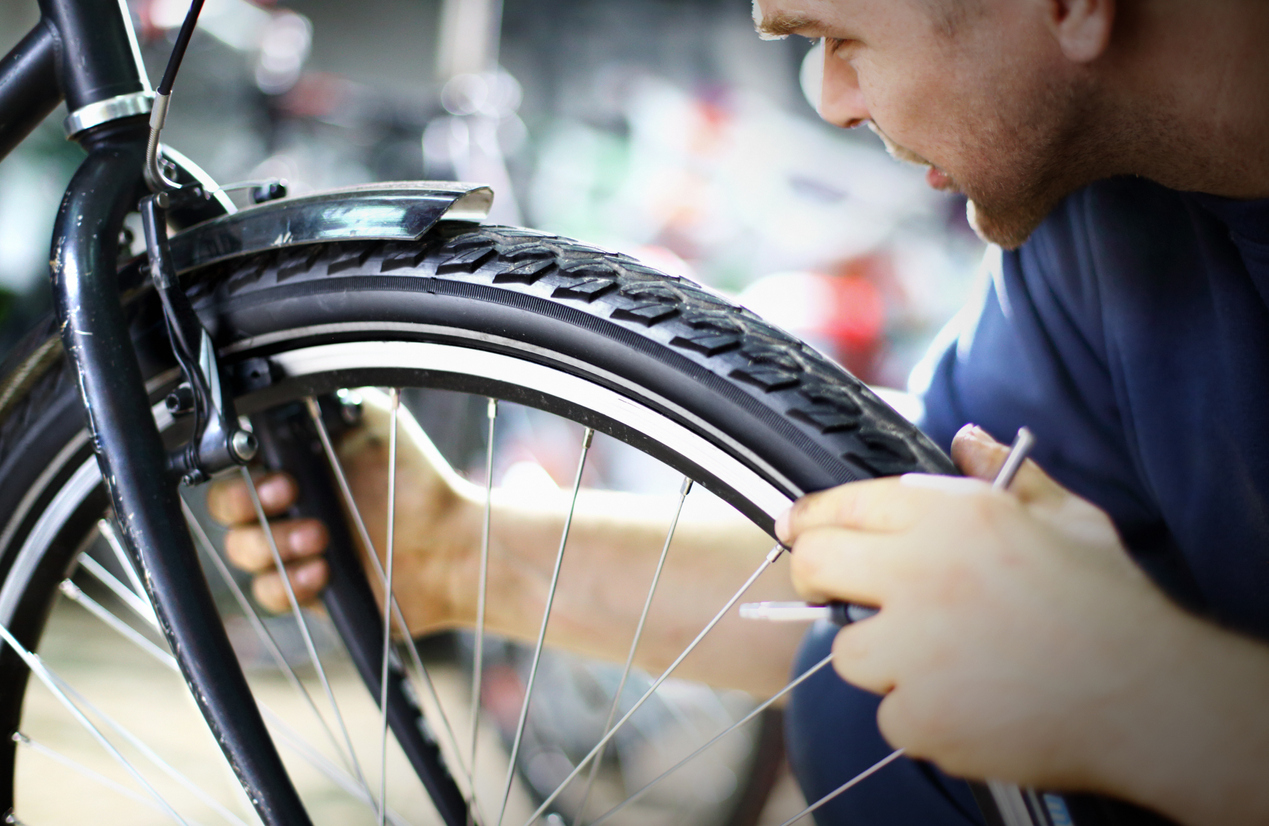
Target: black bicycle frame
x=84, y=51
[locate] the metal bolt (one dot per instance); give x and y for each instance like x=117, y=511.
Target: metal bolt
x=244, y=445
x=181, y=401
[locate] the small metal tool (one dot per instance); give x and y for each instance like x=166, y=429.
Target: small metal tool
x=845, y=613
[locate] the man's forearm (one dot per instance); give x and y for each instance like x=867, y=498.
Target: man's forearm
x=614, y=544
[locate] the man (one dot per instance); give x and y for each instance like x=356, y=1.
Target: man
x=1126, y=324
x=1128, y=333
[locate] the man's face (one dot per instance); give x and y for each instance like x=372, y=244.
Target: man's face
x=975, y=89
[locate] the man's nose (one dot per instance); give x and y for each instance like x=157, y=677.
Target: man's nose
x=842, y=102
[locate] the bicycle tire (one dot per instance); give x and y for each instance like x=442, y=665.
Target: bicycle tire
x=762, y=401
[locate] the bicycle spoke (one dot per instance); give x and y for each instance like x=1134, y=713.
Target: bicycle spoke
x=75, y=766
x=587, y=439
x=345, y=781
x=73, y=592
x=803, y=677
x=684, y=490
x=45, y=676
x=854, y=781
x=287, y=735
x=261, y=631
x=350, y=505
x=395, y=395
x=138, y=604
x=151, y=755
x=107, y=529
x=303, y=626
x=770, y=560
x=478, y=664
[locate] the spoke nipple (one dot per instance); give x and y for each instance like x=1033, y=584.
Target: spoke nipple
x=492, y=410
x=70, y=589
x=19, y=737
x=588, y=438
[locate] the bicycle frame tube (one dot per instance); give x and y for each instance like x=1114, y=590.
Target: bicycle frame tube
x=98, y=57
x=82, y=51
x=28, y=86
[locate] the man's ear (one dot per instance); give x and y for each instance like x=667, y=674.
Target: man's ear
x=1082, y=27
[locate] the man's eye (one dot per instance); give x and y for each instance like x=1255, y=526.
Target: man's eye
x=830, y=44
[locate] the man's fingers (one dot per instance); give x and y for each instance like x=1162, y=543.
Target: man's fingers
x=248, y=548
x=229, y=502
x=860, y=656
x=838, y=564
x=308, y=578
x=872, y=505
x=978, y=455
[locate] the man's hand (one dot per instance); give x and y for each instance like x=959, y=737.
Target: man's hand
x=437, y=522
x=1014, y=629
x=300, y=541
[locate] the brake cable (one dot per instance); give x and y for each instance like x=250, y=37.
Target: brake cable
x=154, y=177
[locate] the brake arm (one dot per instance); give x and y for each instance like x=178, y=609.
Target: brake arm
x=218, y=442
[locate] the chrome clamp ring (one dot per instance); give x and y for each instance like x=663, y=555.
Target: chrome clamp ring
x=104, y=111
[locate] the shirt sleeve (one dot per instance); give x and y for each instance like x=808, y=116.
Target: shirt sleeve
x=1030, y=351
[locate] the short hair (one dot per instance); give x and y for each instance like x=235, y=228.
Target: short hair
x=947, y=16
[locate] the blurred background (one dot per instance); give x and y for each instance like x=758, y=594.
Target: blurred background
x=663, y=128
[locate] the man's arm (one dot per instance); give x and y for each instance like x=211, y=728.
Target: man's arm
x=614, y=543
x=1017, y=640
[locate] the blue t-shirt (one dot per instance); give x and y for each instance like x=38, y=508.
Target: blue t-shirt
x=1131, y=334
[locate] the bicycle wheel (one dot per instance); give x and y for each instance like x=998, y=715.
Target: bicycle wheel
x=594, y=338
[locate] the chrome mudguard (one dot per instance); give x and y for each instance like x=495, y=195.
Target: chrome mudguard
x=402, y=211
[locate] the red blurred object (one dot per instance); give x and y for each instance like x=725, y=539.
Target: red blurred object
x=844, y=314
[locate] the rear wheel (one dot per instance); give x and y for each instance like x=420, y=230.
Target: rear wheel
x=572, y=341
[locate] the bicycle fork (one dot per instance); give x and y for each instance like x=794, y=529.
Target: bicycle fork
x=142, y=478
x=134, y=463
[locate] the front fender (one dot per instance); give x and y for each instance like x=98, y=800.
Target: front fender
x=403, y=211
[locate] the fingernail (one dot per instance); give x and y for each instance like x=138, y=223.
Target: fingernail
x=275, y=492
x=979, y=435
x=310, y=575
x=307, y=539
x=782, y=524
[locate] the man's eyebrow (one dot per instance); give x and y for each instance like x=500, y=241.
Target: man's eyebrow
x=783, y=24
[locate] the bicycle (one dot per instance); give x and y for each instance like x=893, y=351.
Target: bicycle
x=272, y=311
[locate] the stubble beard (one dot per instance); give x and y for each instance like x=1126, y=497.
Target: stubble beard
x=1026, y=172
